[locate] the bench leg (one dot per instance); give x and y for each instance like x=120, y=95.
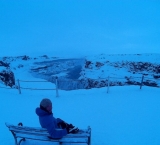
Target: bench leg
x=16, y=141
x=15, y=138
x=89, y=139
x=23, y=139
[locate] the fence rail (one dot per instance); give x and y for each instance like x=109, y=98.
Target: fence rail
x=26, y=88
x=108, y=79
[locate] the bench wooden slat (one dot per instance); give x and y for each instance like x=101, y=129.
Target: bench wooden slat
x=32, y=131
x=45, y=138
x=38, y=129
x=74, y=144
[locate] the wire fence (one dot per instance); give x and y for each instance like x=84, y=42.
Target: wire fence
x=108, y=82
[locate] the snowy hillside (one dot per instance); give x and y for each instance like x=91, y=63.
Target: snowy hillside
x=88, y=72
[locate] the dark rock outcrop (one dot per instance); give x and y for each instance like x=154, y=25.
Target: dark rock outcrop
x=4, y=64
x=6, y=75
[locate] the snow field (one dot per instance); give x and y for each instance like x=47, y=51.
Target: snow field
x=124, y=116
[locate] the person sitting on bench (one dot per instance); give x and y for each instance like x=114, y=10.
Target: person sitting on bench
x=57, y=128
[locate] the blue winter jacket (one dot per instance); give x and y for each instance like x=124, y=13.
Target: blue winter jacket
x=47, y=121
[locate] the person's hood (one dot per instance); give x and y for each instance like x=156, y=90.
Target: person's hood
x=41, y=112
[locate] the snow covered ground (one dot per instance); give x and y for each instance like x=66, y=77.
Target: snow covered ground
x=124, y=116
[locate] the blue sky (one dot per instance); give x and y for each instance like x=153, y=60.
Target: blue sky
x=79, y=27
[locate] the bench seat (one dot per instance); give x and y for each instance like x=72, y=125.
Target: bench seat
x=21, y=133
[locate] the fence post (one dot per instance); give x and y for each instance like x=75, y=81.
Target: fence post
x=57, y=95
x=19, y=88
x=108, y=85
x=142, y=82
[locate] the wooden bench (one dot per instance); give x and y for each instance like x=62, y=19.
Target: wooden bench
x=21, y=133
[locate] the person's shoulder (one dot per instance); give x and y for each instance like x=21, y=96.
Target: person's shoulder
x=37, y=109
x=40, y=112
